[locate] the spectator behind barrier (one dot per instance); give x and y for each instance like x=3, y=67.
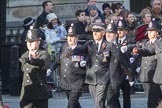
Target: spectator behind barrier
x=106, y=10
x=91, y=2
x=41, y=21
x=54, y=31
x=27, y=23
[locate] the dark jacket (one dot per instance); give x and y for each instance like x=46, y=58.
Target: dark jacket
x=41, y=20
x=97, y=69
x=118, y=64
x=80, y=27
x=125, y=59
x=148, y=64
x=72, y=74
x=23, y=42
x=34, y=78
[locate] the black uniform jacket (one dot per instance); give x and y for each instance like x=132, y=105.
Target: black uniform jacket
x=72, y=74
x=125, y=59
x=98, y=62
x=118, y=64
x=34, y=78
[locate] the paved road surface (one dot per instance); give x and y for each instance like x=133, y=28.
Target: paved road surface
x=59, y=101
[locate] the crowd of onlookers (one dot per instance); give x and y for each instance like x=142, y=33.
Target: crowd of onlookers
x=135, y=25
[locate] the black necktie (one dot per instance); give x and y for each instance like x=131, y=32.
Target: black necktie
x=97, y=46
x=120, y=41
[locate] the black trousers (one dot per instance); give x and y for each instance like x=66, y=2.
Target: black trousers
x=154, y=95
x=29, y=103
x=73, y=98
x=125, y=87
x=113, y=96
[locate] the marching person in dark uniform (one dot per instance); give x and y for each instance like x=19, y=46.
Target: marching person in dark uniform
x=148, y=67
x=35, y=62
x=151, y=64
x=73, y=69
x=118, y=65
x=122, y=39
x=115, y=73
x=98, y=65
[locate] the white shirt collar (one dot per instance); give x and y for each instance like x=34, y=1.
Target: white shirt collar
x=122, y=39
x=73, y=47
x=152, y=41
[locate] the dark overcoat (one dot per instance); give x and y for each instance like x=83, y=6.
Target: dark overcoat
x=148, y=64
x=34, y=77
x=72, y=74
x=98, y=62
x=119, y=62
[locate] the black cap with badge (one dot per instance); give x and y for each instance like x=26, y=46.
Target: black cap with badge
x=72, y=31
x=111, y=27
x=122, y=25
x=153, y=25
x=34, y=35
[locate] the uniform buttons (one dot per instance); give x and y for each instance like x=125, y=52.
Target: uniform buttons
x=96, y=54
x=96, y=65
x=96, y=60
x=145, y=67
x=95, y=70
x=64, y=75
x=66, y=64
x=65, y=70
x=27, y=69
x=27, y=74
x=27, y=81
x=146, y=62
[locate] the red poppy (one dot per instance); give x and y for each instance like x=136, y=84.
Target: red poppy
x=103, y=46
